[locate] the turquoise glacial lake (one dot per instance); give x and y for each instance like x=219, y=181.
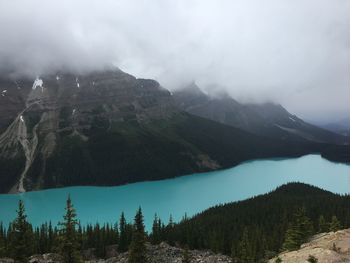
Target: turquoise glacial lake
x=188, y=194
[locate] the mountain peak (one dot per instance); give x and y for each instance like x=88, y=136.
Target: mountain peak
x=265, y=119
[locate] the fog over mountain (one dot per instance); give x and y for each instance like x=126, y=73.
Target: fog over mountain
x=293, y=52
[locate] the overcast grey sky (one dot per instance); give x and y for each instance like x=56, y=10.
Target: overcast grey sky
x=295, y=52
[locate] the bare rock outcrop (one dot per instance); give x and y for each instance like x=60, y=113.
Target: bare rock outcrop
x=332, y=247
x=163, y=253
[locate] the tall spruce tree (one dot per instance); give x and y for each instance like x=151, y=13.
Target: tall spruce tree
x=2, y=241
x=21, y=236
x=245, y=252
x=322, y=225
x=335, y=224
x=123, y=236
x=156, y=230
x=116, y=233
x=298, y=231
x=137, y=251
x=69, y=246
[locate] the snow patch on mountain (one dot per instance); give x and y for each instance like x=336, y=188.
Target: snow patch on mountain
x=38, y=83
x=77, y=81
x=292, y=119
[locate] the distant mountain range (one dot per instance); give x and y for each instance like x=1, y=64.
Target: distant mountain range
x=110, y=128
x=341, y=127
x=267, y=119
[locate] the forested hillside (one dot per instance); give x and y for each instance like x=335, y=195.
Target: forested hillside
x=260, y=224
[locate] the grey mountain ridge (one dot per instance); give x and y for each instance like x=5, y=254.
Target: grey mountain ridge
x=266, y=119
x=341, y=127
x=110, y=128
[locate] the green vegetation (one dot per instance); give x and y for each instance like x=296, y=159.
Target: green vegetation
x=124, y=152
x=278, y=260
x=69, y=246
x=335, y=224
x=312, y=259
x=298, y=230
x=137, y=250
x=125, y=234
x=186, y=257
x=322, y=224
x=257, y=228
x=20, y=237
x=251, y=231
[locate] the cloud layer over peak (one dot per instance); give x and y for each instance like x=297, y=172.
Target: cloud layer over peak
x=294, y=52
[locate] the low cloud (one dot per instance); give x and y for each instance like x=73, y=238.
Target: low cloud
x=294, y=52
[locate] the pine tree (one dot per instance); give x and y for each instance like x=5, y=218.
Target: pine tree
x=245, y=253
x=322, y=225
x=137, y=251
x=298, y=231
x=169, y=229
x=42, y=239
x=171, y=221
x=50, y=237
x=155, y=237
x=69, y=239
x=123, y=237
x=116, y=233
x=335, y=224
x=186, y=257
x=21, y=236
x=293, y=238
x=2, y=241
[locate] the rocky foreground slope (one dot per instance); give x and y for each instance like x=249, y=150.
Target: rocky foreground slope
x=162, y=253
x=326, y=247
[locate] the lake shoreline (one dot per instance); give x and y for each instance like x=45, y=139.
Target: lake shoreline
x=171, y=196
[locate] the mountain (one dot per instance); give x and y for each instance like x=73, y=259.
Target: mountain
x=268, y=119
x=110, y=128
x=341, y=127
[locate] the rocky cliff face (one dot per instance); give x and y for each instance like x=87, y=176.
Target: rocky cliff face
x=36, y=114
x=326, y=247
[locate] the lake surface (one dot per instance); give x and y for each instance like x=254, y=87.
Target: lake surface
x=188, y=194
